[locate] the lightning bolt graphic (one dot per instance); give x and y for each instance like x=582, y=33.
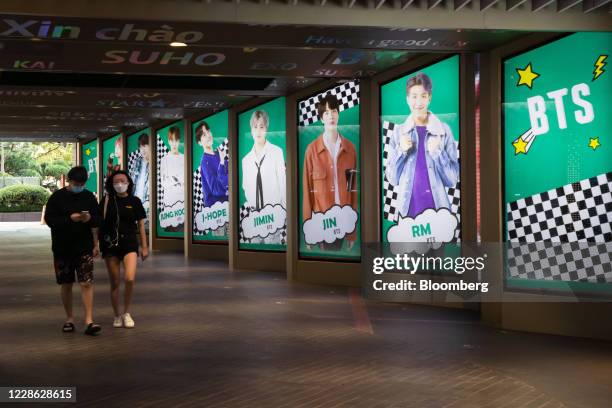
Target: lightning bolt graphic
x=599, y=65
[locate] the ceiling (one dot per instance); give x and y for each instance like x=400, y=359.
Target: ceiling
x=67, y=78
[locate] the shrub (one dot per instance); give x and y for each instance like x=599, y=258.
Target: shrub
x=22, y=198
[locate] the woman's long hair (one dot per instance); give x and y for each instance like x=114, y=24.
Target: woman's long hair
x=108, y=184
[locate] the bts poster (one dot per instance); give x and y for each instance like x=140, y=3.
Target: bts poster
x=139, y=167
x=420, y=156
x=171, y=181
x=328, y=157
x=262, y=177
x=89, y=154
x=210, y=178
x=112, y=155
x=558, y=161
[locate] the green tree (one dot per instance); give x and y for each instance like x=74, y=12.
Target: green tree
x=32, y=159
x=52, y=152
x=56, y=171
x=29, y=173
x=18, y=156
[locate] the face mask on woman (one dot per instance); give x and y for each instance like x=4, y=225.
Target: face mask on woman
x=120, y=187
x=77, y=189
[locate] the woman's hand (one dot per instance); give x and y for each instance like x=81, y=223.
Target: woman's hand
x=144, y=253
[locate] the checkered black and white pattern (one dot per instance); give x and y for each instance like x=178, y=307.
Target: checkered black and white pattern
x=244, y=212
x=224, y=147
x=347, y=94
x=564, y=233
x=132, y=161
x=162, y=150
x=573, y=212
x=198, y=198
x=390, y=192
x=569, y=261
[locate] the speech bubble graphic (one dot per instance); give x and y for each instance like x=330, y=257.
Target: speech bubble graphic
x=213, y=217
x=331, y=225
x=428, y=230
x=172, y=216
x=264, y=222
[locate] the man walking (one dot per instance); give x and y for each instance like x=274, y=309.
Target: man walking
x=73, y=215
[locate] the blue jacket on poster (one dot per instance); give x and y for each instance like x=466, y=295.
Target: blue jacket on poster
x=442, y=165
x=141, y=178
x=214, y=178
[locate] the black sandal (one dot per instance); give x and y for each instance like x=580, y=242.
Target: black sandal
x=92, y=329
x=68, y=327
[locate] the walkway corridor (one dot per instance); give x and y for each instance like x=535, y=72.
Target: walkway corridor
x=209, y=337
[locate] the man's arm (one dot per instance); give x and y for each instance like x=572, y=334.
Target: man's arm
x=307, y=186
x=281, y=178
x=247, y=193
x=352, y=237
x=218, y=181
x=355, y=187
x=94, y=222
x=204, y=176
x=222, y=177
x=54, y=215
x=446, y=162
x=396, y=160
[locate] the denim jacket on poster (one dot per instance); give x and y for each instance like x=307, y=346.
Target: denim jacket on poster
x=442, y=166
x=141, y=179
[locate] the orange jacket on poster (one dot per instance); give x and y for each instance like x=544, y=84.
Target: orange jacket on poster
x=318, y=181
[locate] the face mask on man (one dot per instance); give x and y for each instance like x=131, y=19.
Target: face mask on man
x=77, y=189
x=120, y=187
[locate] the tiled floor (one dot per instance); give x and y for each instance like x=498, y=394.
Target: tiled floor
x=209, y=337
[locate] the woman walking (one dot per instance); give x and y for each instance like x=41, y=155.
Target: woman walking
x=122, y=225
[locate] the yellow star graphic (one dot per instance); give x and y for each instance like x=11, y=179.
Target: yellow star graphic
x=594, y=143
x=526, y=76
x=519, y=146
x=88, y=152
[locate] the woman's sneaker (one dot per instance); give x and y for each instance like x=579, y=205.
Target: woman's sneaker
x=118, y=322
x=128, y=322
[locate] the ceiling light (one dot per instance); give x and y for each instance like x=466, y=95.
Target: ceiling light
x=178, y=44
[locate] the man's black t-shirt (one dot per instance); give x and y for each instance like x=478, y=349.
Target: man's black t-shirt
x=130, y=212
x=69, y=238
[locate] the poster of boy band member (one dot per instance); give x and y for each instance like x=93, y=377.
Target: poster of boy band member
x=140, y=173
x=330, y=165
x=423, y=155
x=172, y=167
x=213, y=171
x=113, y=163
x=263, y=172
